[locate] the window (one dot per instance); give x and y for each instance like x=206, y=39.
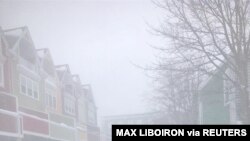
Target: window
x=1, y=75
x=69, y=106
x=50, y=98
x=29, y=87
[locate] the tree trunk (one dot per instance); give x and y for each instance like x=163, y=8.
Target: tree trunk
x=242, y=97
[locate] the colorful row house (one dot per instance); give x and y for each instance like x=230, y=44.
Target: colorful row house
x=38, y=100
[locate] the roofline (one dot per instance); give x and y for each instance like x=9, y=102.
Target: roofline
x=63, y=65
x=11, y=29
x=203, y=84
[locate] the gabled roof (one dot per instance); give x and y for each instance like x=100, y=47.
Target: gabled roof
x=46, y=60
x=62, y=71
x=43, y=54
x=20, y=39
x=88, y=91
x=20, y=35
x=215, y=73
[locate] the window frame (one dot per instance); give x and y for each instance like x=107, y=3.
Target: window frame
x=69, y=106
x=49, y=97
x=33, y=89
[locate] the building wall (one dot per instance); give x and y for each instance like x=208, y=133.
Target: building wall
x=17, y=71
x=31, y=118
x=213, y=108
x=82, y=110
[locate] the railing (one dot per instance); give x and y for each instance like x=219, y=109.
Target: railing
x=10, y=121
x=62, y=132
x=62, y=127
x=8, y=102
x=19, y=122
x=81, y=133
x=39, y=124
x=35, y=125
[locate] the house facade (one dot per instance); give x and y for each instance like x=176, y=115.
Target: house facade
x=93, y=133
x=36, y=103
x=10, y=121
x=218, y=100
x=79, y=104
x=212, y=106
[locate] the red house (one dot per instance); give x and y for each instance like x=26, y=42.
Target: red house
x=10, y=121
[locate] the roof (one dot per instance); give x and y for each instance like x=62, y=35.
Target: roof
x=42, y=52
x=15, y=35
x=62, y=70
x=20, y=38
x=207, y=79
x=88, y=91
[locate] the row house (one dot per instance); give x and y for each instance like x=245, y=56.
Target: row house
x=79, y=104
x=93, y=131
x=24, y=81
x=10, y=121
x=69, y=93
x=38, y=100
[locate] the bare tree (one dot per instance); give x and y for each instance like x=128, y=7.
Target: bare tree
x=177, y=96
x=205, y=35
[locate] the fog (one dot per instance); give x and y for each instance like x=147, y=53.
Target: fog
x=99, y=39
x=69, y=69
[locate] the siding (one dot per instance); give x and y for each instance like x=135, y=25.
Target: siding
x=35, y=125
x=62, y=127
x=61, y=132
x=34, y=121
x=8, y=103
x=8, y=123
x=212, y=98
x=23, y=100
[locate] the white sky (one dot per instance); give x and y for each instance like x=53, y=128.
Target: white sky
x=98, y=39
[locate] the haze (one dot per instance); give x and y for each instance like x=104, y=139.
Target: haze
x=100, y=40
